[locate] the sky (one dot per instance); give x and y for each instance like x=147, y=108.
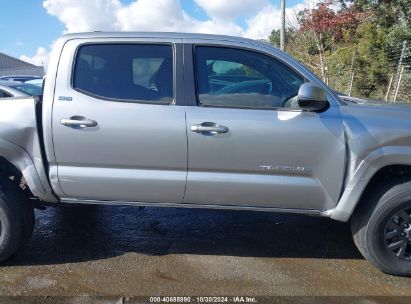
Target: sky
x=29, y=27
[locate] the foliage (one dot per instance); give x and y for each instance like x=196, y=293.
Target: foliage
x=343, y=40
x=324, y=20
x=371, y=62
x=274, y=38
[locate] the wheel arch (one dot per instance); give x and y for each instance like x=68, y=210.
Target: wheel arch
x=11, y=154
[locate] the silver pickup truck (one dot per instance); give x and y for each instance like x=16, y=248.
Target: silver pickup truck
x=204, y=121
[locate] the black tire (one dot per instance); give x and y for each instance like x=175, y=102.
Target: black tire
x=371, y=226
x=16, y=218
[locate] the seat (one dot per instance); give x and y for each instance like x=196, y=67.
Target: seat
x=164, y=79
x=83, y=79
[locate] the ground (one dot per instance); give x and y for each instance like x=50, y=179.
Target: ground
x=130, y=251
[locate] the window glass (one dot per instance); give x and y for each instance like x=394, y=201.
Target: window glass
x=4, y=94
x=30, y=89
x=126, y=72
x=239, y=78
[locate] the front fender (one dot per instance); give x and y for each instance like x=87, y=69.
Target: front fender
x=378, y=159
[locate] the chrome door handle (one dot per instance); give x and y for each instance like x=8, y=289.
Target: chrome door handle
x=78, y=121
x=209, y=127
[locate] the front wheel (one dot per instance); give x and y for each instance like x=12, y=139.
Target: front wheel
x=16, y=218
x=382, y=227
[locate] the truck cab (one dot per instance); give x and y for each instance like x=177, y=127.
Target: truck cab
x=189, y=121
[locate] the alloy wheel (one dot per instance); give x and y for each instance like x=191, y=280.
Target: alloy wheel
x=397, y=234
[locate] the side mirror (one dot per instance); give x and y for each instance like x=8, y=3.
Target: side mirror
x=312, y=98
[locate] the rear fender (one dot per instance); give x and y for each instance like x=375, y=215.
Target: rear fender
x=20, y=144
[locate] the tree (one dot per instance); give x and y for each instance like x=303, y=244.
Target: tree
x=345, y=40
x=372, y=62
x=274, y=38
x=321, y=28
x=387, y=12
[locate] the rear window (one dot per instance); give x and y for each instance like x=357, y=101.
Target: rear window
x=125, y=72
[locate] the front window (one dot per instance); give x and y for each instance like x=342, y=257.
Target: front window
x=231, y=77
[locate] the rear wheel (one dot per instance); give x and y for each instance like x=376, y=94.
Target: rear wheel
x=382, y=227
x=16, y=218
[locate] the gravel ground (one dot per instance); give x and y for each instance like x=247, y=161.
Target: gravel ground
x=129, y=251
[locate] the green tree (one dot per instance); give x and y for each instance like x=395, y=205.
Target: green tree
x=371, y=65
x=360, y=41
x=274, y=38
x=387, y=12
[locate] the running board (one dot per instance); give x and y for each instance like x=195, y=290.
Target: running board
x=312, y=212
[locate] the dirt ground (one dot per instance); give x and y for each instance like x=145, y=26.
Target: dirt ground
x=129, y=251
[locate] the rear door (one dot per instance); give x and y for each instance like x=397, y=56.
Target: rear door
x=119, y=130
x=248, y=142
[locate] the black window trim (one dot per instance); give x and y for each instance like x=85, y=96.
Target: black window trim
x=133, y=101
x=199, y=104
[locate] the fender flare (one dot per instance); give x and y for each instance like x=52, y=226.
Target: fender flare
x=22, y=160
x=375, y=161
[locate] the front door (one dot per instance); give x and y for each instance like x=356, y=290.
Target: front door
x=248, y=142
x=118, y=130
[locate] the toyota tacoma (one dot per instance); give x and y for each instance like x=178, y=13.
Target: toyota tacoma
x=204, y=121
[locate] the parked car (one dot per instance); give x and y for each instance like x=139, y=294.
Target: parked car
x=204, y=121
x=7, y=91
x=19, y=78
x=17, y=89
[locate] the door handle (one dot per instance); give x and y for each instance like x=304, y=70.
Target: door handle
x=209, y=127
x=79, y=122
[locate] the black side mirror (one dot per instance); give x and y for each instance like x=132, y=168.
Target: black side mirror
x=312, y=98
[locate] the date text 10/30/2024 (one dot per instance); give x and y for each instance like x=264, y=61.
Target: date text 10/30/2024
x=205, y=299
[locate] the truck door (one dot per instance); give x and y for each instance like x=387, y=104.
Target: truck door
x=119, y=130
x=248, y=142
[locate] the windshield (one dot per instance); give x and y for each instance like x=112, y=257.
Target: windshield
x=30, y=89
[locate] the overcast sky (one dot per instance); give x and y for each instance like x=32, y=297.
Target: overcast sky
x=29, y=27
